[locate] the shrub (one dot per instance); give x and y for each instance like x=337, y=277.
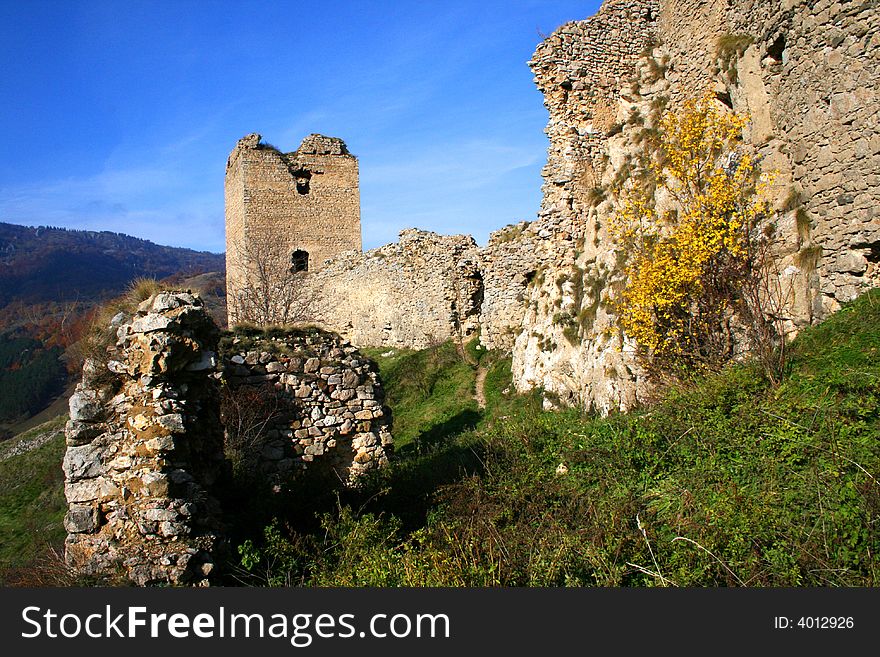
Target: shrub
x=694, y=267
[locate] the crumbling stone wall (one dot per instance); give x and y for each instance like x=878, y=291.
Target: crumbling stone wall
x=568, y=344
x=427, y=288
x=145, y=455
x=324, y=402
x=423, y=289
x=282, y=207
x=813, y=72
x=580, y=69
x=809, y=80
x=145, y=450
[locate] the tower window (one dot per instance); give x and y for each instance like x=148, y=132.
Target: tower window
x=299, y=261
x=301, y=178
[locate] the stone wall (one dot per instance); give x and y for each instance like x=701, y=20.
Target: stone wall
x=808, y=78
x=145, y=450
x=814, y=72
x=580, y=69
x=146, y=459
x=427, y=288
x=423, y=289
x=807, y=74
x=568, y=344
x=509, y=261
x=320, y=403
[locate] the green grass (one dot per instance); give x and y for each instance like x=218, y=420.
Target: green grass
x=430, y=392
x=730, y=482
x=32, y=503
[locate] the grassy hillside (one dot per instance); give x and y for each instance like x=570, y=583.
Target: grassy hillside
x=431, y=393
x=730, y=482
x=32, y=503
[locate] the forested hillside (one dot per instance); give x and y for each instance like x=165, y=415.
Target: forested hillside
x=39, y=265
x=51, y=282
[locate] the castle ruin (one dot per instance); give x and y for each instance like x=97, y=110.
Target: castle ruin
x=287, y=212
x=804, y=71
x=144, y=455
x=157, y=424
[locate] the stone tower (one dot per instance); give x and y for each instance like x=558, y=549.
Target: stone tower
x=291, y=211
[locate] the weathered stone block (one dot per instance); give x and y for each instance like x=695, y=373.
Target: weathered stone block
x=81, y=519
x=150, y=323
x=81, y=433
x=85, y=406
x=82, y=462
x=90, y=490
x=173, y=422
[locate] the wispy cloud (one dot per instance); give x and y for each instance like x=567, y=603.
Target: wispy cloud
x=152, y=203
x=466, y=165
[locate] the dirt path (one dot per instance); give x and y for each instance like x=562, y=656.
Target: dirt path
x=479, y=388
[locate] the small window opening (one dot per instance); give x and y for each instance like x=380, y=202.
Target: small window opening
x=302, y=178
x=299, y=261
x=774, y=50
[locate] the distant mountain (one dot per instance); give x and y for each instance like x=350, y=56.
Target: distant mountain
x=45, y=265
x=51, y=281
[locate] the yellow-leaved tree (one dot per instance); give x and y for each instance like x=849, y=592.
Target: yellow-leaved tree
x=698, y=262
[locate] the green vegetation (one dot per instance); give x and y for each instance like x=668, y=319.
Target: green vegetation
x=273, y=338
x=30, y=375
x=731, y=481
x=430, y=392
x=32, y=504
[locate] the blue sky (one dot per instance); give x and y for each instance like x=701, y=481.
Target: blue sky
x=120, y=115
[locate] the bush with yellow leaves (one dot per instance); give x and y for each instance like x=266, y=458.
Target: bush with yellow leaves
x=697, y=262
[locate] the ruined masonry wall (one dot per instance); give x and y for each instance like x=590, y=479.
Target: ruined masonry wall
x=325, y=402
x=809, y=81
x=568, y=343
x=278, y=203
x=145, y=450
x=580, y=69
x=427, y=288
x=820, y=99
x=423, y=289
x=145, y=441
